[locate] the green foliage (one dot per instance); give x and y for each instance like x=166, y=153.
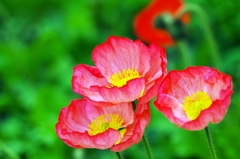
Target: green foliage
x=40, y=43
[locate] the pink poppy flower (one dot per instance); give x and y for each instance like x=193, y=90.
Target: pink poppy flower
x=125, y=70
x=83, y=125
x=194, y=97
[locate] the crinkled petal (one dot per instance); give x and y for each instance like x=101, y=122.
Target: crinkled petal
x=135, y=131
x=118, y=54
x=215, y=82
x=76, y=116
x=171, y=109
x=124, y=110
x=152, y=91
x=158, y=63
x=73, y=124
x=86, y=76
x=84, y=140
x=214, y=114
x=114, y=58
x=179, y=84
x=128, y=93
x=156, y=73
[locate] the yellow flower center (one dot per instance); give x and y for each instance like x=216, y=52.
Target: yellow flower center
x=195, y=104
x=104, y=122
x=119, y=79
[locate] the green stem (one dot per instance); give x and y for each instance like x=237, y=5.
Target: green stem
x=8, y=151
x=215, y=57
x=176, y=32
x=119, y=156
x=147, y=147
x=144, y=139
x=210, y=143
x=183, y=49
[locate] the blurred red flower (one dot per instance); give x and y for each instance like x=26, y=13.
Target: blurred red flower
x=144, y=21
x=83, y=125
x=194, y=97
x=125, y=71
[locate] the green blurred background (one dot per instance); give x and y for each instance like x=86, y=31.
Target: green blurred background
x=40, y=43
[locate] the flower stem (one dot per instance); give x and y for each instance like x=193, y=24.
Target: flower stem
x=183, y=49
x=8, y=151
x=178, y=33
x=119, y=156
x=202, y=16
x=210, y=143
x=147, y=147
x=144, y=139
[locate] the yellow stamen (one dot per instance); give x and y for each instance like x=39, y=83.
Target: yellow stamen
x=121, y=78
x=98, y=125
x=104, y=122
x=122, y=132
x=115, y=121
x=141, y=93
x=195, y=104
